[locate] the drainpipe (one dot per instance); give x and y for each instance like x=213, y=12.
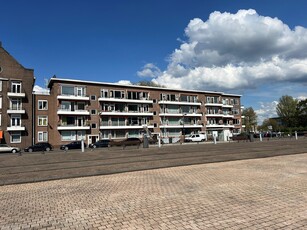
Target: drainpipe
x=33, y=117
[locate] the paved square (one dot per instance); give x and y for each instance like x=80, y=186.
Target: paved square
x=268, y=193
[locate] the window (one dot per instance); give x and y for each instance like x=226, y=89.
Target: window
x=42, y=105
x=42, y=136
x=42, y=120
x=16, y=120
x=93, y=97
x=15, y=104
x=67, y=90
x=0, y=82
x=94, y=126
x=81, y=135
x=16, y=87
x=15, y=137
x=68, y=135
x=80, y=91
x=93, y=111
x=104, y=93
x=0, y=102
x=80, y=106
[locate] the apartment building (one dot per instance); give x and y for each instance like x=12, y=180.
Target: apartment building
x=16, y=106
x=74, y=110
x=95, y=110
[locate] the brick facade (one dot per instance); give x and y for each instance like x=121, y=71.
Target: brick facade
x=75, y=110
x=16, y=94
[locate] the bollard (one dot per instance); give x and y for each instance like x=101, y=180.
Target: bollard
x=295, y=135
x=214, y=139
x=82, y=145
x=260, y=137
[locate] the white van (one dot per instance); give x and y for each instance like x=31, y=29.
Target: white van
x=196, y=138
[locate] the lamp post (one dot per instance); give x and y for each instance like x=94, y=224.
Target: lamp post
x=164, y=115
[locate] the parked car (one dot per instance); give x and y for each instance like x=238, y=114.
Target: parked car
x=44, y=146
x=100, y=144
x=195, y=138
x=126, y=142
x=72, y=145
x=4, y=148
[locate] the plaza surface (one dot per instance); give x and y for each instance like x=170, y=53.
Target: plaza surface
x=263, y=193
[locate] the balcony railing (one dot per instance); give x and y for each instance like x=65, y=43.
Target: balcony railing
x=16, y=110
x=73, y=97
x=73, y=112
x=16, y=128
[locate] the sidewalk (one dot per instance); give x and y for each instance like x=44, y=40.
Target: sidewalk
x=266, y=193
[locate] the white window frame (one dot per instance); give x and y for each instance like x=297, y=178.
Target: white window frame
x=15, y=133
x=42, y=118
x=0, y=84
x=0, y=102
x=42, y=105
x=19, y=102
x=17, y=117
x=80, y=91
x=16, y=84
x=42, y=136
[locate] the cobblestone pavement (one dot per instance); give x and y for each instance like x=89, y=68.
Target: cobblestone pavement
x=35, y=167
x=266, y=193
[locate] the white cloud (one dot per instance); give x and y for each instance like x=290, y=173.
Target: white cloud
x=40, y=90
x=124, y=82
x=149, y=70
x=266, y=110
x=235, y=51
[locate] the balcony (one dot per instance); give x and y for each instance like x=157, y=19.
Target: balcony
x=73, y=97
x=214, y=114
x=15, y=94
x=124, y=126
x=179, y=114
x=73, y=127
x=72, y=112
x=125, y=113
x=138, y=101
x=214, y=103
x=16, y=128
x=227, y=106
x=16, y=110
x=179, y=126
x=228, y=115
x=162, y=102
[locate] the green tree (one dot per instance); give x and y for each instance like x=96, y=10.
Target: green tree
x=301, y=111
x=287, y=110
x=149, y=83
x=269, y=122
x=250, y=120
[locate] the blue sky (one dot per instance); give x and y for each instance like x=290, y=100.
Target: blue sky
x=248, y=47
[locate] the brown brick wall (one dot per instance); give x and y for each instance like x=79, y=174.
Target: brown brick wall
x=13, y=71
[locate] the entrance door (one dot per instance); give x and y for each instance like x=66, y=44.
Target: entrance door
x=92, y=139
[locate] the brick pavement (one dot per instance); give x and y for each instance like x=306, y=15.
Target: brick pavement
x=267, y=193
